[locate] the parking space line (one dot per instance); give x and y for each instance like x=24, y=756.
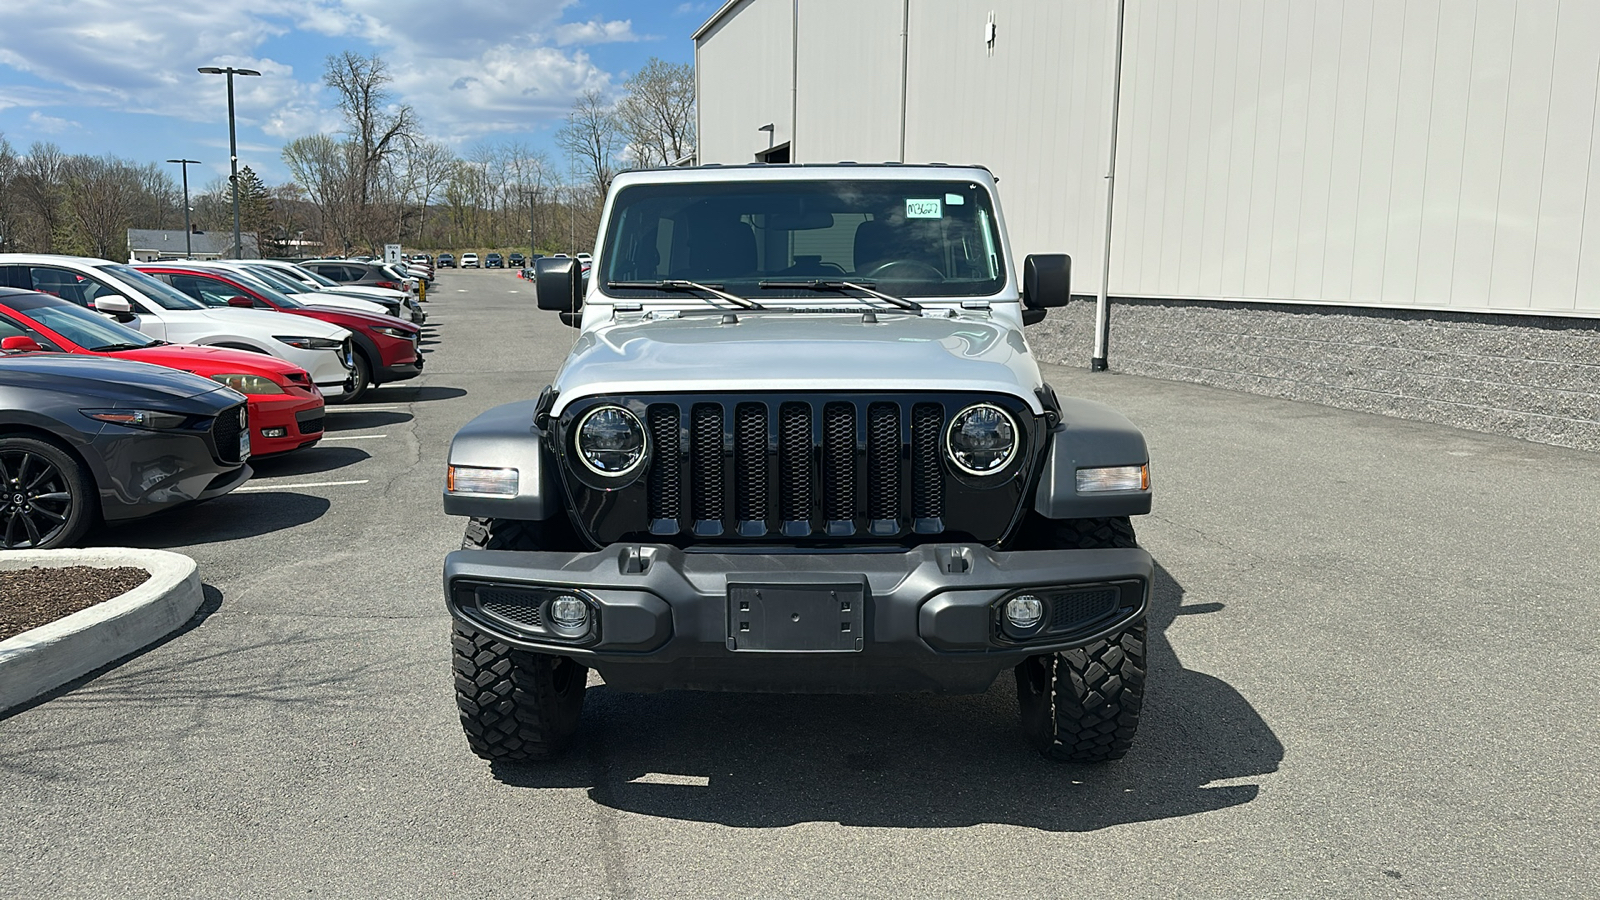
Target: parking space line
x=334, y=409
x=269, y=485
x=356, y=437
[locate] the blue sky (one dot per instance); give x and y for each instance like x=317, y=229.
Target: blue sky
x=118, y=76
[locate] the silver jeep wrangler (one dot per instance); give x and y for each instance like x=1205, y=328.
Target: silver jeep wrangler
x=800, y=445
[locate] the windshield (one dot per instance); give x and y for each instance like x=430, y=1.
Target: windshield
x=922, y=238
x=82, y=327
x=314, y=277
x=260, y=286
x=280, y=281
x=159, y=293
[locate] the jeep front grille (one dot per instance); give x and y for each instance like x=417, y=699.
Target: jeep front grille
x=774, y=468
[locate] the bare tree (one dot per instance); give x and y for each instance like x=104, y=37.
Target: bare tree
x=322, y=167
x=10, y=165
x=100, y=195
x=656, y=115
x=38, y=191
x=593, y=140
x=378, y=132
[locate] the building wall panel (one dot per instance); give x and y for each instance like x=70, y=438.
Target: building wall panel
x=849, y=93
x=745, y=72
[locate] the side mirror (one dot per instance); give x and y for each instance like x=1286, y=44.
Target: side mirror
x=1046, y=280
x=558, y=284
x=113, y=304
x=242, y=302
x=20, y=343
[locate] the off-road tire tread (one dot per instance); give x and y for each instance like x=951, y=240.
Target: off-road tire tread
x=510, y=707
x=1094, y=695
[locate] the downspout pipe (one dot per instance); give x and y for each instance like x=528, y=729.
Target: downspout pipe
x=905, y=68
x=1102, y=310
x=794, y=82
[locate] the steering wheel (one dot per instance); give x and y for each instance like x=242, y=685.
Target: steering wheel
x=902, y=270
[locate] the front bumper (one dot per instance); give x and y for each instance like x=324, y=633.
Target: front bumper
x=299, y=415
x=926, y=619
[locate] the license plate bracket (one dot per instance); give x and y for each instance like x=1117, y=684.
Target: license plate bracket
x=797, y=618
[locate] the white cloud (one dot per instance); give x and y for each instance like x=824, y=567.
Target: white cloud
x=595, y=31
x=468, y=67
x=51, y=124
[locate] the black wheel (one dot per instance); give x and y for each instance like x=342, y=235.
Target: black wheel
x=1082, y=705
x=515, y=706
x=47, y=496
x=361, y=378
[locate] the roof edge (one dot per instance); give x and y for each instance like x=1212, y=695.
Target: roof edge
x=715, y=18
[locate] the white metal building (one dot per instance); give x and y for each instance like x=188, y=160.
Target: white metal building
x=1324, y=199
x=1408, y=153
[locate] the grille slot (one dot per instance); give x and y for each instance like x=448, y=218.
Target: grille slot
x=750, y=462
x=1078, y=607
x=839, y=462
x=705, y=472
x=666, y=487
x=883, y=462
x=225, y=430
x=794, y=462
x=309, y=421
x=927, y=473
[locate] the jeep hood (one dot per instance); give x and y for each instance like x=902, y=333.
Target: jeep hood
x=799, y=352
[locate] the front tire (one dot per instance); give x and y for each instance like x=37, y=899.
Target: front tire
x=1082, y=705
x=515, y=706
x=361, y=377
x=48, y=496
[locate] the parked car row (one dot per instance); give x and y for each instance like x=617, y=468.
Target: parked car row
x=129, y=389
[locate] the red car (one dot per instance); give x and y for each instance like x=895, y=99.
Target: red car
x=386, y=349
x=286, y=409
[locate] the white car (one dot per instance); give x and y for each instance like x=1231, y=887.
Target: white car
x=133, y=297
x=469, y=260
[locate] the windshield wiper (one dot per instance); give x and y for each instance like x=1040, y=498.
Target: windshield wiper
x=112, y=348
x=842, y=286
x=681, y=285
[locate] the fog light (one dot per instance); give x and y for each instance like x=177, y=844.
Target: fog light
x=1024, y=613
x=569, y=616
x=274, y=432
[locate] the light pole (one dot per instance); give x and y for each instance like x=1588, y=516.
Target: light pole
x=533, y=200
x=188, y=233
x=233, y=146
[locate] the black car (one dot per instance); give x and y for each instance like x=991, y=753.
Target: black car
x=447, y=261
x=516, y=260
x=348, y=271
x=85, y=439
x=494, y=261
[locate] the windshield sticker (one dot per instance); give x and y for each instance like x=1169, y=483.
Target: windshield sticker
x=954, y=199
x=924, y=209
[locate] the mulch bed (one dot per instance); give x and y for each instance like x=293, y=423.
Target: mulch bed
x=37, y=596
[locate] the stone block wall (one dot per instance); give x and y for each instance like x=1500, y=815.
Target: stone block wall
x=1536, y=378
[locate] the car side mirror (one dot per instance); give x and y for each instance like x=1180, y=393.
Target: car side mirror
x=242, y=302
x=558, y=283
x=1046, y=280
x=20, y=343
x=115, y=306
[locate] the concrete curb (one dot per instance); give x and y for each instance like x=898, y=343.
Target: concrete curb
x=49, y=656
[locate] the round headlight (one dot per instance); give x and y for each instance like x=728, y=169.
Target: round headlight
x=982, y=439
x=610, y=441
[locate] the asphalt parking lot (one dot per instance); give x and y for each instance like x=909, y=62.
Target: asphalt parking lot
x=1374, y=673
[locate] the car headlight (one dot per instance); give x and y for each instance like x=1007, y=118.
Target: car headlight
x=982, y=439
x=610, y=441
x=249, y=384
x=400, y=333
x=309, y=343
x=149, y=419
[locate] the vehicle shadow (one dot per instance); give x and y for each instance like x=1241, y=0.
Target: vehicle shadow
x=402, y=393
x=911, y=761
x=339, y=420
x=312, y=461
x=230, y=517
